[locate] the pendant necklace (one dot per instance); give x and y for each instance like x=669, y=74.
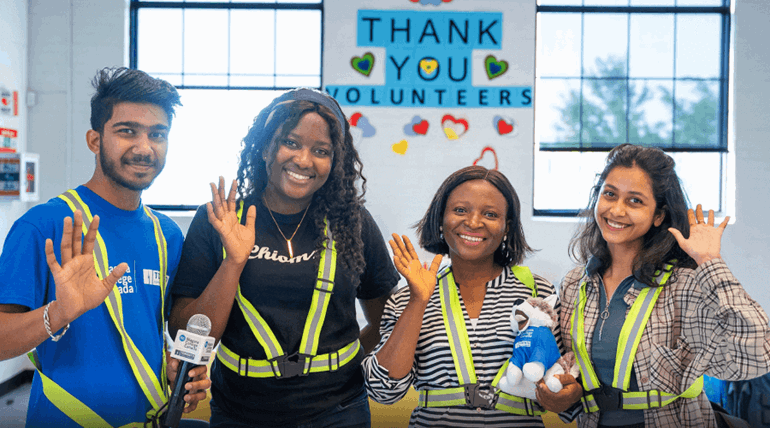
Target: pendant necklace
x=288, y=241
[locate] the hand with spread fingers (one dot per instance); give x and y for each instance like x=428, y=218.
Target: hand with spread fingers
x=196, y=389
x=237, y=238
x=420, y=278
x=78, y=289
x=705, y=240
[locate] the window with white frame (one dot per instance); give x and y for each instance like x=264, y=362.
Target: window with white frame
x=228, y=59
x=648, y=72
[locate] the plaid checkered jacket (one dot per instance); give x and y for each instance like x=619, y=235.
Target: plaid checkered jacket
x=704, y=322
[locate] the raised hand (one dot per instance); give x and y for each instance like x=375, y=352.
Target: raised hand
x=705, y=240
x=238, y=239
x=78, y=289
x=420, y=278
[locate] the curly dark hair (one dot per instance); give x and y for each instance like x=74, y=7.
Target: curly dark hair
x=659, y=245
x=121, y=84
x=338, y=200
x=428, y=228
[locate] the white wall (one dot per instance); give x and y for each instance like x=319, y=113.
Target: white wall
x=13, y=75
x=69, y=40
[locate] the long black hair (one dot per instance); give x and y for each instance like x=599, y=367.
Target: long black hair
x=659, y=245
x=338, y=200
x=428, y=228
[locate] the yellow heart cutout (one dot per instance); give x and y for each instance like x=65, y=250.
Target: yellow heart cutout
x=451, y=133
x=400, y=147
x=428, y=65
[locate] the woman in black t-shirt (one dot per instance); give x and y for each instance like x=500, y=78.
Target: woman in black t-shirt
x=280, y=295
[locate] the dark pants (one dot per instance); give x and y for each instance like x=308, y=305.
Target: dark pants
x=353, y=413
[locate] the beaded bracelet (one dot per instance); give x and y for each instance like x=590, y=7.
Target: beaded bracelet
x=47, y=324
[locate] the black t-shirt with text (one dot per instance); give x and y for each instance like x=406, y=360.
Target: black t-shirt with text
x=281, y=290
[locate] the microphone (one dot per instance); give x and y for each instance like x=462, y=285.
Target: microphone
x=192, y=347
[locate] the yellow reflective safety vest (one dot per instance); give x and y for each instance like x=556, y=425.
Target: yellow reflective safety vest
x=470, y=393
x=305, y=361
x=156, y=390
x=616, y=397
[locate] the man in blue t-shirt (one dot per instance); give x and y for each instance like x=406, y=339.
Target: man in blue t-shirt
x=100, y=339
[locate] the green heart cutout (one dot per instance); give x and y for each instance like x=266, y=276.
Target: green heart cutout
x=363, y=64
x=494, y=67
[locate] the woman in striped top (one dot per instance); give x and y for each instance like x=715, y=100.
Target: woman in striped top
x=474, y=217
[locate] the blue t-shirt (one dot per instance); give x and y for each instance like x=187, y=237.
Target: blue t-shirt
x=89, y=361
x=535, y=344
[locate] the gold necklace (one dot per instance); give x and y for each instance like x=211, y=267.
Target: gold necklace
x=288, y=241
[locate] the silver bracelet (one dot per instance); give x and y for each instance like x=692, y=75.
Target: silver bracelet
x=47, y=324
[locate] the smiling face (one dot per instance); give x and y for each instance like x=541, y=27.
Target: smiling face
x=474, y=221
x=626, y=208
x=301, y=166
x=132, y=148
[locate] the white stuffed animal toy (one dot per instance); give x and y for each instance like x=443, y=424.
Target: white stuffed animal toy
x=535, y=352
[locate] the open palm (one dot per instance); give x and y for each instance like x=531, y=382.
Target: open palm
x=238, y=239
x=420, y=278
x=78, y=288
x=705, y=240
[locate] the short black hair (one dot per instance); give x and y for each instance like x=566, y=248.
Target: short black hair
x=120, y=84
x=429, y=231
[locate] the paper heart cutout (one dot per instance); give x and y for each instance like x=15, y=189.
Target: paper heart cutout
x=400, y=147
x=363, y=64
x=366, y=127
x=454, y=128
x=429, y=66
x=354, y=119
x=505, y=126
x=421, y=128
x=409, y=128
x=481, y=157
x=494, y=67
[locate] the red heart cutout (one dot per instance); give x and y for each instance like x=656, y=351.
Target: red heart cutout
x=503, y=127
x=354, y=118
x=454, y=120
x=487, y=149
x=421, y=128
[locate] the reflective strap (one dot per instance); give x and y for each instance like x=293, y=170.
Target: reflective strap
x=151, y=386
x=454, y=397
x=459, y=344
x=653, y=399
x=315, y=318
x=327, y=269
x=259, y=327
x=160, y=240
x=524, y=275
x=632, y=330
x=500, y=373
x=448, y=397
x=589, y=403
x=69, y=405
x=264, y=368
x=518, y=405
x=454, y=324
x=590, y=380
x=628, y=342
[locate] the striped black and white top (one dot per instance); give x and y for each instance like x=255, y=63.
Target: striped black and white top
x=491, y=345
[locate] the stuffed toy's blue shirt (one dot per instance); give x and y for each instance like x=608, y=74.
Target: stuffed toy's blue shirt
x=535, y=344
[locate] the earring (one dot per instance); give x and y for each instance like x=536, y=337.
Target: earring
x=441, y=232
x=503, y=247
